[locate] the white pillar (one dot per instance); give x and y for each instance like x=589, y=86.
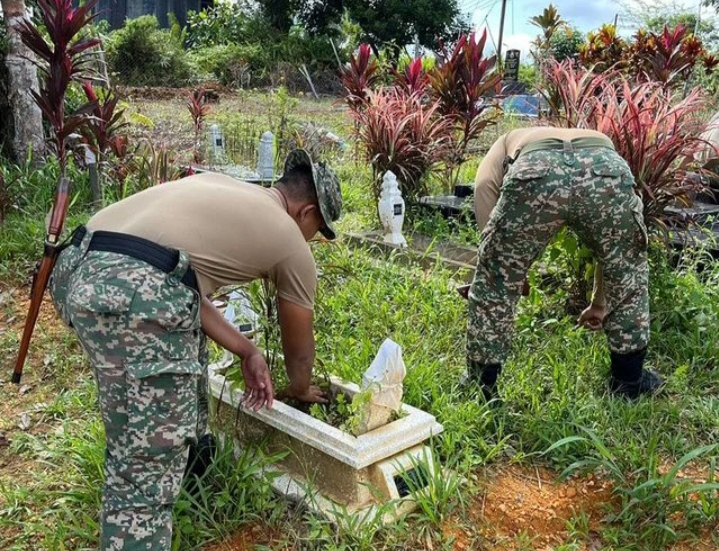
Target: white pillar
x=266, y=156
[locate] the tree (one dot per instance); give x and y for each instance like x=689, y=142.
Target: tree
x=279, y=13
x=566, y=43
x=549, y=21
x=398, y=22
x=26, y=134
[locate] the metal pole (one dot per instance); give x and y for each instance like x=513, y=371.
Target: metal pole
x=501, y=33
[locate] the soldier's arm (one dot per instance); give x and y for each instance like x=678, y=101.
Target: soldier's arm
x=598, y=298
x=298, y=345
x=259, y=391
x=488, y=182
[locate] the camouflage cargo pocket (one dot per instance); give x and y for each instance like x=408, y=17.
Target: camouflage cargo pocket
x=525, y=171
x=58, y=285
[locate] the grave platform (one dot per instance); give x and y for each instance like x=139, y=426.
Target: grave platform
x=330, y=470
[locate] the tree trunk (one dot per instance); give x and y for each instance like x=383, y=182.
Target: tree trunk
x=27, y=135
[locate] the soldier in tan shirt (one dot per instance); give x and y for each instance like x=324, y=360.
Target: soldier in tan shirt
x=135, y=284
x=532, y=182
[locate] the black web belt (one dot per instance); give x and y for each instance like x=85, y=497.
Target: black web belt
x=162, y=258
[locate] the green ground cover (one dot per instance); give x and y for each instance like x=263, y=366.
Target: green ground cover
x=656, y=457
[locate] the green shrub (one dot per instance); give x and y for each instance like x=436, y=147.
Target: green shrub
x=231, y=64
x=222, y=24
x=141, y=54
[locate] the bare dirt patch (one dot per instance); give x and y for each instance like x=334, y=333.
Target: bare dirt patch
x=247, y=539
x=524, y=500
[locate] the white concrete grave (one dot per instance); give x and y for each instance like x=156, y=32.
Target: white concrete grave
x=331, y=470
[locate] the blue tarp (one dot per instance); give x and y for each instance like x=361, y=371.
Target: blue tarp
x=527, y=106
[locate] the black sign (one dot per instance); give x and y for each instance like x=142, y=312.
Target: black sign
x=397, y=209
x=511, y=65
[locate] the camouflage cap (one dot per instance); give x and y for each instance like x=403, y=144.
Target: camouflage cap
x=329, y=195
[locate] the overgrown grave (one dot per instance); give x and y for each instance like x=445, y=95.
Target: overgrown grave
x=363, y=452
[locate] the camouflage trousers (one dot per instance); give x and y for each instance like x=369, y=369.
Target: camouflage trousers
x=591, y=191
x=141, y=330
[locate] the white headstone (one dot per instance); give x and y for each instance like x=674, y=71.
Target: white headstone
x=217, y=144
x=266, y=156
x=391, y=210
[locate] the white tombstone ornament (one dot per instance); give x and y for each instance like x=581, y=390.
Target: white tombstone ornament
x=266, y=156
x=217, y=144
x=391, y=210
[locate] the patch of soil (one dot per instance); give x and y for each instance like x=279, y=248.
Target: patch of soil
x=164, y=93
x=518, y=501
x=246, y=539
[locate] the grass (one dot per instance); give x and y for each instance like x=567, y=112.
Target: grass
x=657, y=454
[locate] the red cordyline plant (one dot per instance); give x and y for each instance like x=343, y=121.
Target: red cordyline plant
x=655, y=131
x=667, y=57
x=413, y=79
x=63, y=60
x=359, y=77
x=460, y=84
x=570, y=90
x=199, y=109
x=103, y=130
x=404, y=134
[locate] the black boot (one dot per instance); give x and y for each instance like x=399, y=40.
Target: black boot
x=629, y=378
x=199, y=460
x=485, y=376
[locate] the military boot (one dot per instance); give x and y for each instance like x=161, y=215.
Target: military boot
x=199, y=460
x=483, y=376
x=629, y=378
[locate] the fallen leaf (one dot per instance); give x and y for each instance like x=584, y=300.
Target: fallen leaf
x=24, y=389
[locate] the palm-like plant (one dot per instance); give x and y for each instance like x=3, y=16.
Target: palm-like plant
x=64, y=59
x=404, y=134
x=549, y=21
x=460, y=84
x=199, y=108
x=359, y=76
x=654, y=130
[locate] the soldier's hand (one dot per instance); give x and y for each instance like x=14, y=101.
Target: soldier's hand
x=258, y=383
x=593, y=317
x=313, y=394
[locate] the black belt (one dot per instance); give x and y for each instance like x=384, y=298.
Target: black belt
x=162, y=258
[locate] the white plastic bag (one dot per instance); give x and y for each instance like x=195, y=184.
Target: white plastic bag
x=384, y=380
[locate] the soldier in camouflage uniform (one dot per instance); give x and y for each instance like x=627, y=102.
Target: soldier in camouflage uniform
x=135, y=284
x=533, y=182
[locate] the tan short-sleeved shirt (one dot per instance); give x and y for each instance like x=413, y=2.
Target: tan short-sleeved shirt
x=233, y=232
x=490, y=174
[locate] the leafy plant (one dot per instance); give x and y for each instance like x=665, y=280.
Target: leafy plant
x=460, y=85
x=199, y=108
x=142, y=54
x=668, y=57
x=549, y=21
x=404, y=134
x=359, y=77
x=413, y=79
x=65, y=59
x=604, y=50
x=656, y=132
x=103, y=133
